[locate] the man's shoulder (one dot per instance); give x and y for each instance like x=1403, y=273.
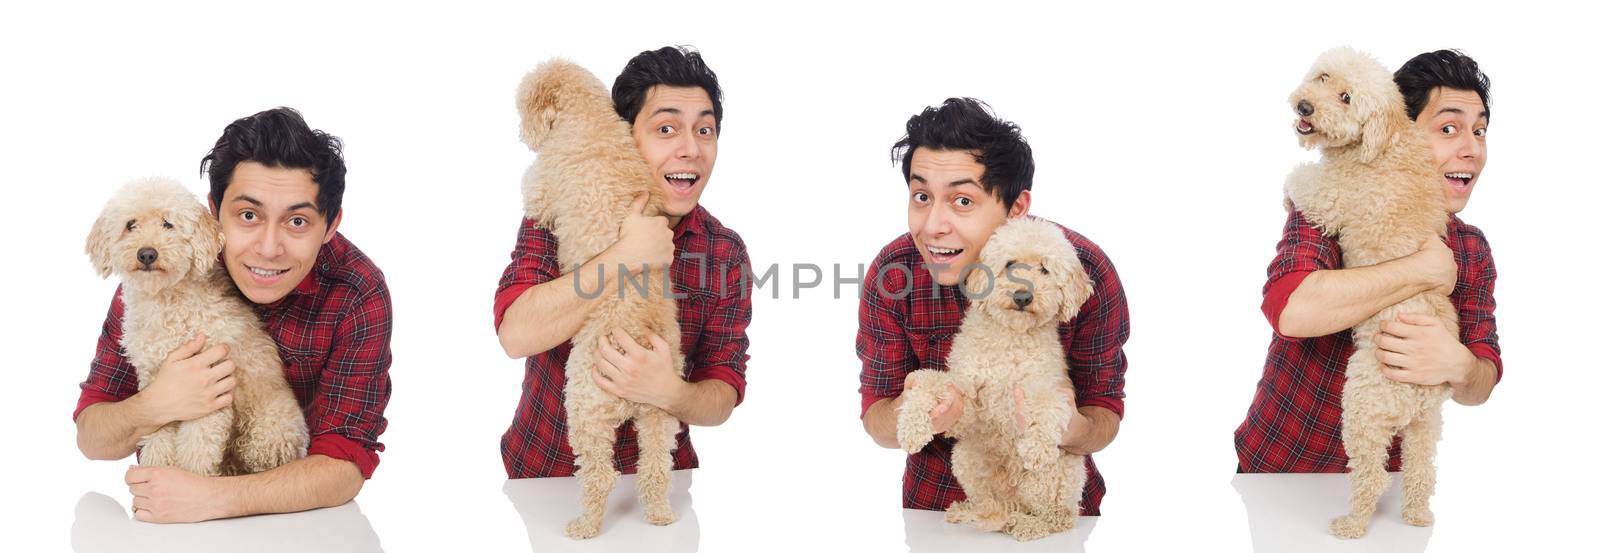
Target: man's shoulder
x=900, y=251
x=724, y=241
x=1468, y=233
x=1090, y=254
x=341, y=264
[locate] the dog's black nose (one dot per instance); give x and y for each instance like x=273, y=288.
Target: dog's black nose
x=1304, y=109
x=147, y=256
x=1022, y=298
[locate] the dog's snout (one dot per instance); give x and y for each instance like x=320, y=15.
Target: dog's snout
x=147, y=256
x=1304, y=109
x=1022, y=298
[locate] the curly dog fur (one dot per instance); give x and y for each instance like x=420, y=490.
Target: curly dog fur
x=163, y=243
x=1377, y=192
x=1017, y=481
x=587, y=174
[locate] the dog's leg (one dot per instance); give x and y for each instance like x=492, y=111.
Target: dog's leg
x=1047, y=414
x=1418, y=443
x=979, y=471
x=160, y=449
x=1367, y=444
x=271, y=433
x=657, y=437
x=592, y=438
x=1049, y=497
x=915, y=427
x=203, y=442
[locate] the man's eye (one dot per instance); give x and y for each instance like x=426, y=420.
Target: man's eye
x=297, y=222
x=964, y=201
x=1448, y=129
x=247, y=216
x=707, y=131
x=166, y=224
x=1480, y=132
x=665, y=129
x=919, y=197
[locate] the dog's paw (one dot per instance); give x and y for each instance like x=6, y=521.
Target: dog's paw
x=914, y=433
x=1036, y=456
x=1027, y=527
x=660, y=516
x=1348, y=527
x=582, y=528
x=1417, y=516
x=986, y=517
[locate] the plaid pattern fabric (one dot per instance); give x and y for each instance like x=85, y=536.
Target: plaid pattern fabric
x=898, y=336
x=1294, y=422
x=713, y=316
x=332, y=332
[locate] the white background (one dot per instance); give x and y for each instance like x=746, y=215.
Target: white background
x=1160, y=132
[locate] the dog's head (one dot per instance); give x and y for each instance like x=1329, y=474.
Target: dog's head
x=154, y=233
x=555, y=88
x=1348, y=99
x=1030, y=276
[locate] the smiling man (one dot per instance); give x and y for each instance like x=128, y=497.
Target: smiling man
x=276, y=188
x=674, y=103
x=1293, y=424
x=967, y=172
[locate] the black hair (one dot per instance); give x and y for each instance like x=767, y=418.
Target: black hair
x=670, y=66
x=968, y=124
x=279, y=138
x=1443, y=68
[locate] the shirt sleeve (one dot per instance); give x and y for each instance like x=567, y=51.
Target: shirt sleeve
x=1302, y=250
x=1474, y=296
x=533, y=262
x=1095, y=360
x=720, y=352
x=111, y=376
x=345, y=416
x=886, y=355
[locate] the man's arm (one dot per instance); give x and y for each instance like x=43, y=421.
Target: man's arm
x=1091, y=430
x=190, y=384
x=1333, y=300
x=168, y=494
x=882, y=419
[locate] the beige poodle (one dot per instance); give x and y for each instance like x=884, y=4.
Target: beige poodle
x=163, y=243
x=580, y=188
x=1017, y=481
x=1376, y=190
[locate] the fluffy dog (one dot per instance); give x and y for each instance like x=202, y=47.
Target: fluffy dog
x=580, y=188
x=1376, y=190
x=163, y=243
x=1017, y=481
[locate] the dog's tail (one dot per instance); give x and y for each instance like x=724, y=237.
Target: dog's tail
x=555, y=86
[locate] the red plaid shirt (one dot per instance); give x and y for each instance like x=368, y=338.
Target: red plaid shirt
x=332, y=332
x=1294, y=423
x=712, y=315
x=898, y=336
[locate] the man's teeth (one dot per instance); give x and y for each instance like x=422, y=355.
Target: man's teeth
x=943, y=251
x=1460, y=176
x=683, y=176
x=267, y=272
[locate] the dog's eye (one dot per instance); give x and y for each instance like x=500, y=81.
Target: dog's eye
x=1344, y=97
x=1010, y=264
x=1323, y=77
x=129, y=226
x=166, y=225
x=1044, y=270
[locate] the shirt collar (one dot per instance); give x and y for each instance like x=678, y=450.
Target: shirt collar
x=694, y=222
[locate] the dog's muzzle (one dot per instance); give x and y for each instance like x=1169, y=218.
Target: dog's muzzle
x=1022, y=298
x=1304, y=108
x=147, y=257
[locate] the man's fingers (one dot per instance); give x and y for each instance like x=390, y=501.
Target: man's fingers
x=639, y=201
x=608, y=365
x=143, y=515
x=222, y=370
x=221, y=401
x=605, y=384
x=1388, y=342
x=212, y=355
x=656, y=343
x=1418, y=319
x=626, y=342
x=609, y=354
x=1395, y=360
x=137, y=475
x=1398, y=375
x=188, y=349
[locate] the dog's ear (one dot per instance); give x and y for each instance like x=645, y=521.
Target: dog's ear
x=1076, y=287
x=1378, y=132
x=206, y=242
x=101, y=238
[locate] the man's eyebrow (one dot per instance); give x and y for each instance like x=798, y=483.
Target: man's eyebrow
x=961, y=182
x=1444, y=110
x=257, y=203
x=302, y=205
x=661, y=110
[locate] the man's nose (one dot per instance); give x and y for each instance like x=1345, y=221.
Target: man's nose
x=147, y=256
x=689, y=148
x=1304, y=108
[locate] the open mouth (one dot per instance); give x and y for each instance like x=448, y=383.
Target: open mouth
x=1304, y=128
x=683, y=182
x=266, y=273
x=943, y=256
x=1458, y=179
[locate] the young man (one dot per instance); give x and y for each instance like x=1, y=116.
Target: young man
x=674, y=103
x=966, y=173
x=1293, y=424
x=276, y=188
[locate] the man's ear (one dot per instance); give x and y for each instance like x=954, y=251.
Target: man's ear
x=1020, y=207
x=333, y=226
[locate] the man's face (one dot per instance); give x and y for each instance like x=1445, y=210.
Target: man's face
x=1457, y=126
x=950, y=215
x=676, y=132
x=271, y=229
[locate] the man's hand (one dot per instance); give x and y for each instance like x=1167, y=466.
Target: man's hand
x=645, y=241
x=1078, y=427
x=170, y=494
x=190, y=383
x=1418, y=349
x=1436, y=265
x=945, y=413
x=638, y=374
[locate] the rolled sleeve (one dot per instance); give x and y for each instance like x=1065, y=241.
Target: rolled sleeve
x=1096, y=363
x=1302, y=250
x=886, y=356
x=533, y=262
x=111, y=376
x=1474, y=298
x=720, y=354
x=346, y=412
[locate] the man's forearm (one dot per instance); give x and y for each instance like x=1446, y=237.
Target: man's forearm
x=1476, y=387
x=704, y=403
x=548, y=314
x=111, y=430
x=1103, y=426
x=882, y=422
x=310, y=483
x=1333, y=300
